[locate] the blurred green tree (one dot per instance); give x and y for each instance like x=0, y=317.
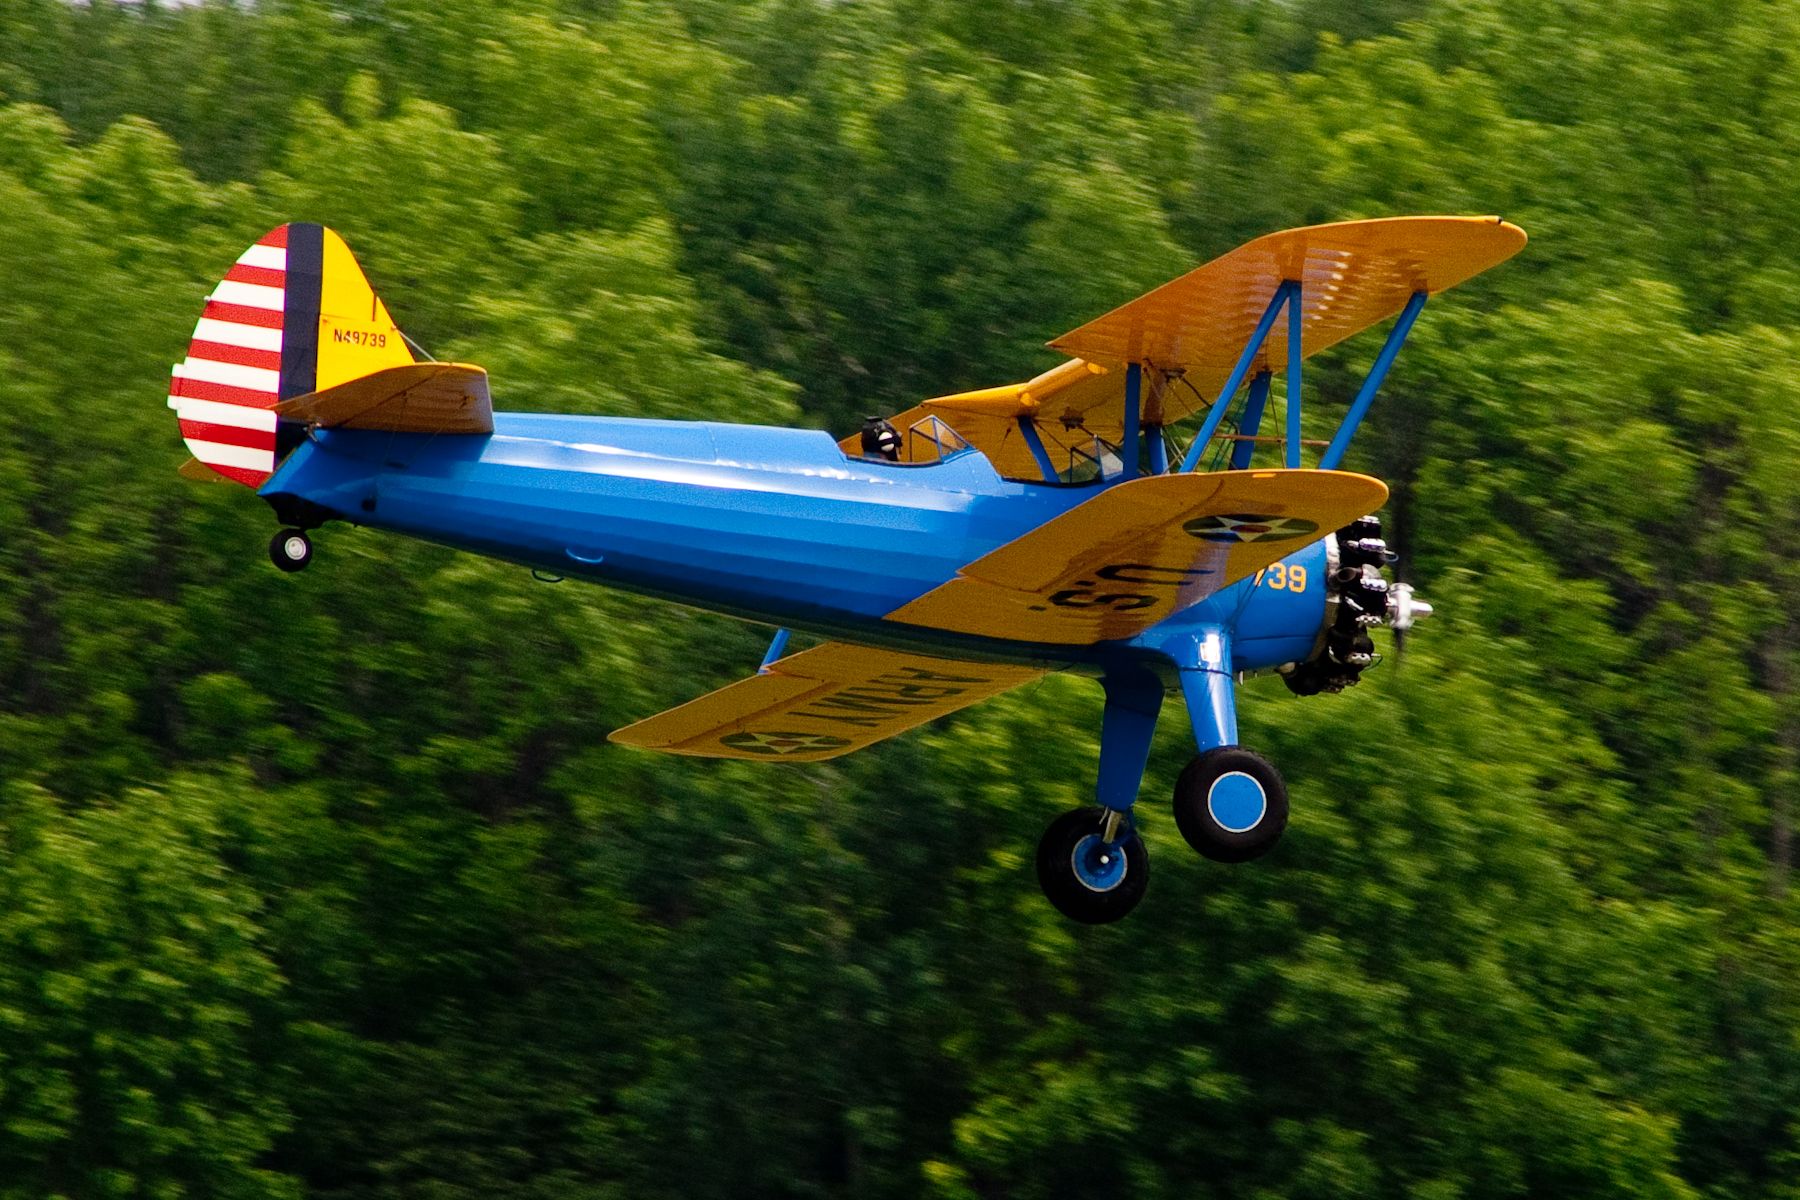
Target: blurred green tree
x=331, y=886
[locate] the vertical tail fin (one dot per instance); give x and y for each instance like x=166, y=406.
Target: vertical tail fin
x=294, y=315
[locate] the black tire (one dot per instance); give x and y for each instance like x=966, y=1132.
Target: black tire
x=1217, y=808
x=1064, y=885
x=291, y=550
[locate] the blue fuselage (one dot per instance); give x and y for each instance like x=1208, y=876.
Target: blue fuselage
x=776, y=525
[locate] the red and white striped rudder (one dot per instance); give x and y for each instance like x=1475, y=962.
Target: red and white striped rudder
x=295, y=292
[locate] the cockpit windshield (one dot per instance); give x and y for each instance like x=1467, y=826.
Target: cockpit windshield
x=931, y=440
x=1094, y=459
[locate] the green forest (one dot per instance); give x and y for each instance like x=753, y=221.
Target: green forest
x=330, y=885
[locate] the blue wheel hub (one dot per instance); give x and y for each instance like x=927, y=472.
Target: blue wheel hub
x=1098, y=866
x=1237, y=802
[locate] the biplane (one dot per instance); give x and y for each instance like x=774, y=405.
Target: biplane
x=946, y=554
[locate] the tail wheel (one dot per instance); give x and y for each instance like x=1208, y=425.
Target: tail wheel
x=1231, y=804
x=291, y=550
x=1087, y=879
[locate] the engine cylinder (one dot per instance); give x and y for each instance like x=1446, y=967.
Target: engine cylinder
x=1358, y=599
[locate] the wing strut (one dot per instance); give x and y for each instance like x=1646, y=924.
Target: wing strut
x=1028, y=430
x=1288, y=295
x=1359, y=408
x=1134, y=408
x=1236, y=378
x=1295, y=355
x=1252, y=420
x=1159, y=450
x=777, y=648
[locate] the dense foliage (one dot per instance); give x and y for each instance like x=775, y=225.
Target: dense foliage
x=329, y=885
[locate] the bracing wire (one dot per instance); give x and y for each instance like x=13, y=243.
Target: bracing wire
x=420, y=349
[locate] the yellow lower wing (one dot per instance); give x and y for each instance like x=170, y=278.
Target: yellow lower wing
x=1136, y=553
x=821, y=703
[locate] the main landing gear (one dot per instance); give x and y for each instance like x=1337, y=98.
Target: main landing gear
x=291, y=550
x=1230, y=803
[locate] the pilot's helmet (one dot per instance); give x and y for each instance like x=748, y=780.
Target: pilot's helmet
x=880, y=438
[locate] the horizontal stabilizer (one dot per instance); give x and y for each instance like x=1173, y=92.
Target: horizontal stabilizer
x=1136, y=553
x=821, y=703
x=428, y=397
x=198, y=472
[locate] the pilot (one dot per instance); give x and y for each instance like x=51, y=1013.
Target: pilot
x=880, y=439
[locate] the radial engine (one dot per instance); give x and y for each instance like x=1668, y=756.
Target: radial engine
x=1358, y=598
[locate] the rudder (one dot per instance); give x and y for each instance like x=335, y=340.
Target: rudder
x=294, y=315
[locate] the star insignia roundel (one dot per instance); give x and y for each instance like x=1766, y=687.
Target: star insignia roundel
x=1249, y=527
x=782, y=743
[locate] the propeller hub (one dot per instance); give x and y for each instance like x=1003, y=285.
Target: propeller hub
x=1404, y=608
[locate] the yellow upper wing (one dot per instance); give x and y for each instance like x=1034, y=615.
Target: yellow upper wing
x=1136, y=553
x=1353, y=274
x=821, y=703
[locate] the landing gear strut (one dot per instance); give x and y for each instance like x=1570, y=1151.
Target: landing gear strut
x=1230, y=803
x=291, y=550
x=1091, y=862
